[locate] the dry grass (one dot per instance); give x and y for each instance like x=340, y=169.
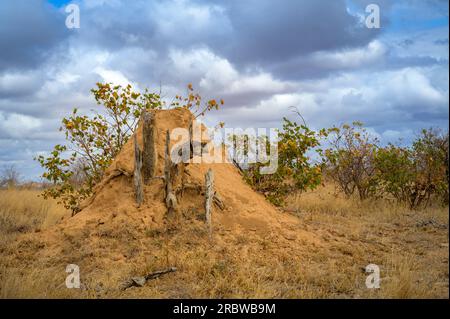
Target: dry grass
x=23, y=211
x=411, y=249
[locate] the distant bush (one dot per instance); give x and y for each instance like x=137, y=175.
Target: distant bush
x=349, y=160
x=296, y=171
x=357, y=164
x=9, y=177
x=414, y=174
x=353, y=159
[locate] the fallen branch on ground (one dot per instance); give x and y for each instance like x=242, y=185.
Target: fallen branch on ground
x=141, y=280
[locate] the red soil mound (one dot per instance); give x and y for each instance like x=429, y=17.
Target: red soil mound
x=112, y=239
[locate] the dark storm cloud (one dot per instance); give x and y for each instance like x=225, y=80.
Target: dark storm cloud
x=260, y=56
x=29, y=30
x=272, y=31
x=115, y=25
x=152, y=25
x=251, y=32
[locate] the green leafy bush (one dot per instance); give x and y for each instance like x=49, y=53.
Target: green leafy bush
x=349, y=160
x=414, y=174
x=296, y=171
x=94, y=141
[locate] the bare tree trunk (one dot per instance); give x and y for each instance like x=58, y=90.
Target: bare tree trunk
x=149, y=151
x=171, y=200
x=209, y=195
x=137, y=177
x=191, y=149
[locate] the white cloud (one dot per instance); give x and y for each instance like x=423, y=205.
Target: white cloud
x=112, y=76
x=173, y=17
x=17, y=125
x=202, y=64
x=19, y=83
x=218, y=75
x=350, y=58
x=396, y=136
x=401, y=99
x=410, y=87
x=99, y=3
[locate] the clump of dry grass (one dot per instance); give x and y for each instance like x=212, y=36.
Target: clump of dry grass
x=30, y=283
x=409, y=246
x=402, y=279
x=22, y=210
x=328, y=201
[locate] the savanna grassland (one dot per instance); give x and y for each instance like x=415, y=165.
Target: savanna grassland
x=308, y=229
x=410, y=247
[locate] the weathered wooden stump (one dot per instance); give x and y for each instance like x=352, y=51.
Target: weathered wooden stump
x=149, y=156
x=171, y=199
x=137, y=177
x=209, y=195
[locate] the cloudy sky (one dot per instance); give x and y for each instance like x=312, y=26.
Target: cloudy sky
x=261, y=56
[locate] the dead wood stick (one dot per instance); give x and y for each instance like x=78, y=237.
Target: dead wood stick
x=196, y=187
x=218, y=201
x=141, y=280
x=209, y=193
x=236, y=164
x=137, y=177
x=149, y=149
x=171, y=200
x=158, y=273
x=191, y=145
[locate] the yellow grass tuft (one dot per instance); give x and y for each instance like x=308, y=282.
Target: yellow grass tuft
x=25, y=211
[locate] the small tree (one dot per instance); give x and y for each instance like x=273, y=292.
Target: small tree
x=397, y=175
x=431, y=152
x=9, y=177
x=414, y=174
x=296, y=141
x=350, y=159
x=296, y=171
x=94, y=141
